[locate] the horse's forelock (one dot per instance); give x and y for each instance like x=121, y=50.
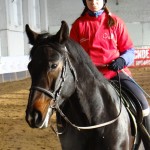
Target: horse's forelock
x=46, y=40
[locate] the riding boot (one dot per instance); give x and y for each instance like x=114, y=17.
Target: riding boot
x=146, y=123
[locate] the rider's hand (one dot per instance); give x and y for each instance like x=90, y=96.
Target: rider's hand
x=118, y=64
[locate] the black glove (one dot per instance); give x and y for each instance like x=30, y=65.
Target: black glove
x=118, y=64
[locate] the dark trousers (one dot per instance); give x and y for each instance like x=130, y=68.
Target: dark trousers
x=127, y=83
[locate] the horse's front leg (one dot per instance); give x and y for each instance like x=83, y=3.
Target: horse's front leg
x=72, y=139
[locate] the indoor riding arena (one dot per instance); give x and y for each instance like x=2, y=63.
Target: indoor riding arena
x=15, y=82
x=15, y=134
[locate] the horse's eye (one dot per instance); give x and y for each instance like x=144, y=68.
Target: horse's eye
x=53, y=66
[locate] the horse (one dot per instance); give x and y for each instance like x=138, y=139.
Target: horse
x=89, y=112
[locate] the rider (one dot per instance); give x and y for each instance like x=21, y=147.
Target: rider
x=105, y=38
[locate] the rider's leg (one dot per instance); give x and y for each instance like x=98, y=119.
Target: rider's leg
x=146, y=119
x=138, y=94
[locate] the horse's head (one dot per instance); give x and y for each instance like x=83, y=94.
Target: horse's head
x=51, y=75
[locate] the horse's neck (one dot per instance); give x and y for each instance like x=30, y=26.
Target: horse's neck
x=74, y=110
x=92, y=107
x=93, y=96
x=95, y=101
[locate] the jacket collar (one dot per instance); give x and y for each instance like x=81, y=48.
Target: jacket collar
x=95, y=14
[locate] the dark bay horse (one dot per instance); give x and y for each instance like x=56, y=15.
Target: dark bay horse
x=89, y=114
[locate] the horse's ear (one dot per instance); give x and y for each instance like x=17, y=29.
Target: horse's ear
x=32, y=36
x=63, y=34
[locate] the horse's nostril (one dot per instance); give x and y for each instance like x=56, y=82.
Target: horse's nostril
x=34, y=118
x=37, y=117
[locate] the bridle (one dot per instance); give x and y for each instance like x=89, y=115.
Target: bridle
x=62, y=78
x=57, y=92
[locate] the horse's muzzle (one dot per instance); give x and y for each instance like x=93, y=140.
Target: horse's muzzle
x=34, y=118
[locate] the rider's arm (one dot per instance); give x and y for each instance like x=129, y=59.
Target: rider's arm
x=128, y=56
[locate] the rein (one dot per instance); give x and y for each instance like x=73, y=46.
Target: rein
x=94, y=126
x=55, y=95
x=88, y=127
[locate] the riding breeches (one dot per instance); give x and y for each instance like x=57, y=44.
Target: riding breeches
x=127, y=83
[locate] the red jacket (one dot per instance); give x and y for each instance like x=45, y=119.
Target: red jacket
x=102, y=44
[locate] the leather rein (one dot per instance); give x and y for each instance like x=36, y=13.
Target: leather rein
x=55, y=96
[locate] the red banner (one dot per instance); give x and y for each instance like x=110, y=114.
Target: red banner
x=142, y=57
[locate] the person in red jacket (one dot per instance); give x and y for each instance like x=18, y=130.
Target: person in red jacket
x=105, y=38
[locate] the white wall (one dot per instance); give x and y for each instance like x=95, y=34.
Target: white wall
x=131, y=10
x=136, y=15
x=59, y=10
